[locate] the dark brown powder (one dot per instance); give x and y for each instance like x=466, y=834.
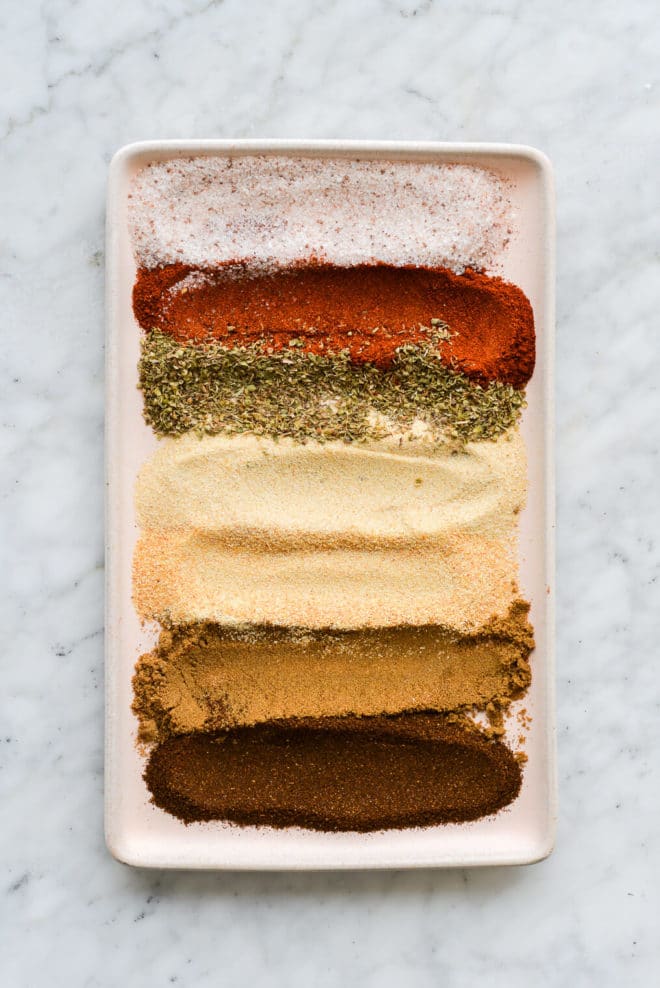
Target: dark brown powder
x=335, y=774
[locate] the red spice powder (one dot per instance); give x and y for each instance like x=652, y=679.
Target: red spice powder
x=368, y=309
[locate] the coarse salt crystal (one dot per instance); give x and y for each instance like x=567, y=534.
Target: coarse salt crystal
x=272, y=211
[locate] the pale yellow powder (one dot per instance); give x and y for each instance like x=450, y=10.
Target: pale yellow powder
x=246, y=530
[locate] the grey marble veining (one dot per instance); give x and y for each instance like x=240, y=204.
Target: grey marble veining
x=579, y=80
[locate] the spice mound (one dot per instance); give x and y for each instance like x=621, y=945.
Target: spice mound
x=209, y=677
x=335, y=774
x=274, y=211
x=247, y=530
x=212, y=388
x=368, y=311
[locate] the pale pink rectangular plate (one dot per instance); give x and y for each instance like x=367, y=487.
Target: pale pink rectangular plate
x=140, y=834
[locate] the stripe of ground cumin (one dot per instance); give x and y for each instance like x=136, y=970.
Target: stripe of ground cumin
x=209, y=677
x=336, y=774
x=370, y=310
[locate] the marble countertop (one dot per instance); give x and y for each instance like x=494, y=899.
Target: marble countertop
x=85, y=78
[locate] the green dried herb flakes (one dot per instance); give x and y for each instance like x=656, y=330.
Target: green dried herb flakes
x=210, y=389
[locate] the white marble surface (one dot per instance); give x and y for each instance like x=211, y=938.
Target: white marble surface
x=80, y=79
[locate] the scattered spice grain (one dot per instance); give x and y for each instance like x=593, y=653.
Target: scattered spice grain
x=273, y=211
x=215, y=389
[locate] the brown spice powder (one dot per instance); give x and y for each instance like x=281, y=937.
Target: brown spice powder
x=335, y=774
x=206, y=677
